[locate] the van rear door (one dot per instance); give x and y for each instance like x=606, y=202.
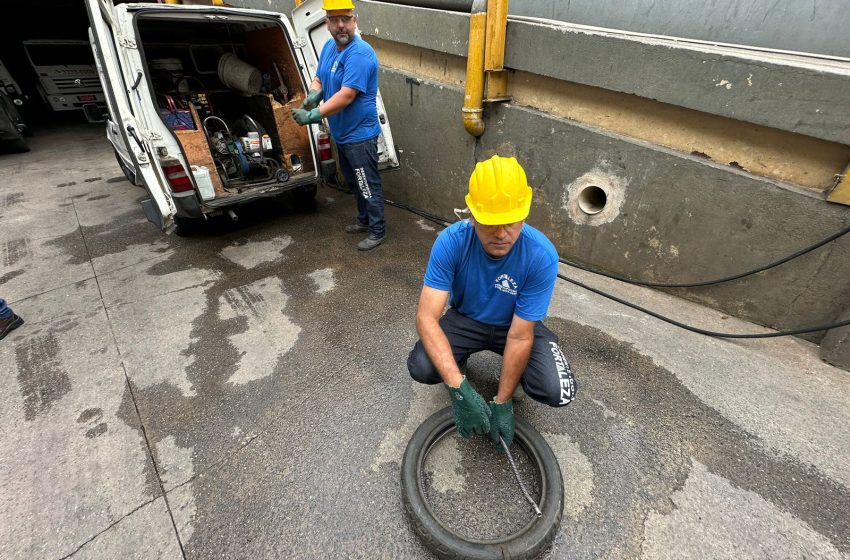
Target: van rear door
x=309, y=22
x=120, y=75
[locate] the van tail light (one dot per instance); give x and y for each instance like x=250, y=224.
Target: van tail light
x=325, y=147
x=176, y=175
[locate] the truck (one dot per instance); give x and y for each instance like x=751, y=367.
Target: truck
x=199, y=103
x=67, y=77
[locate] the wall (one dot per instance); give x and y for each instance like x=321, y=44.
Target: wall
x=818, y=25
x=672, y=214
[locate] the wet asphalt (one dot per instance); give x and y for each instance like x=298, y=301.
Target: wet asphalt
x=243, y=393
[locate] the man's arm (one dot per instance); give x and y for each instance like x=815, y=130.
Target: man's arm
x=338, y=101
x=431, y=305
x=515, y=358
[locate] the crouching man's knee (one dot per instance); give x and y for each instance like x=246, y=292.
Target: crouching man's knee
x=420, y=367
x=554, y=383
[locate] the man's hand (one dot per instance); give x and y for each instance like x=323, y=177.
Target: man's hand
x=302, y=117
x=472, y=416
x=312, y=100
x=502, y=422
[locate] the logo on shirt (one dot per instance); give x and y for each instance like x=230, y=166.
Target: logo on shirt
x=333, y=68
x=506, y=284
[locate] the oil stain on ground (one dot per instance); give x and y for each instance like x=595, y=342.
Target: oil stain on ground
x=41, y=378
x=641, y=428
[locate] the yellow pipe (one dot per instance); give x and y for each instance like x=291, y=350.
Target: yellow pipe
x=473, y=97
x=497, y=23
x=494, y=51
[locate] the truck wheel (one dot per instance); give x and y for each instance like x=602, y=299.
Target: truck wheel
x=19, y=145
x=528, y=543
x=129, y=173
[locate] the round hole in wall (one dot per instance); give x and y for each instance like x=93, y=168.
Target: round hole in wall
x=592, y=200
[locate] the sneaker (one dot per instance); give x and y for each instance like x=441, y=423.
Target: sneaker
x=8, y=324
x=356, y=228
x=370, y=242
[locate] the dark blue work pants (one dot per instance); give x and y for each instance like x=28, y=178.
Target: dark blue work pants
x=547, y=377
x=359, y=164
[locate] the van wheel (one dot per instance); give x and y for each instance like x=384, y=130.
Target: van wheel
x=305, y=195
x=528, y=543
x=186, y=227
x=129, y=173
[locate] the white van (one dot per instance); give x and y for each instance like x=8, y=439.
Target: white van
x=200, y=100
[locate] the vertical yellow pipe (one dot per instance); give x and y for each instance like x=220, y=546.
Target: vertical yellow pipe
x=494, y=53
x=474, y=91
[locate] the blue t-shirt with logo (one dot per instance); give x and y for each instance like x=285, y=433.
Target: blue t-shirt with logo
x=355, y=67
x=492, y=290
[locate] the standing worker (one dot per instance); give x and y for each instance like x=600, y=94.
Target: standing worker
x=498, y=274
x=347, y=82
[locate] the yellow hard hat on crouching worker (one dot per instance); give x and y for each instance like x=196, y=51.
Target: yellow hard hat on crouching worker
x=328, y=5
x=498, y=192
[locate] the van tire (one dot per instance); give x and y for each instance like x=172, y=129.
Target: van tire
x=186, y=227
x=526, y=544
x=305, y=195
x=129, y=173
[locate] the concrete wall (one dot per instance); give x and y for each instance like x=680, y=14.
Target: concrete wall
x=818, y=25
x=671, y=215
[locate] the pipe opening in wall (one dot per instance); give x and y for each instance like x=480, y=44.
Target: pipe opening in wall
x=592, y=200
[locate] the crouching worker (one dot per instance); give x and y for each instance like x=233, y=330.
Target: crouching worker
x=498, y=274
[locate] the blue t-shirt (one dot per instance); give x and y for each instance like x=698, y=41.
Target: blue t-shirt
x=492, y=290
x=355, y=67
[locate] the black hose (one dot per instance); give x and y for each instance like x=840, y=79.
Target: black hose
x=792, y=256
x=445, y=223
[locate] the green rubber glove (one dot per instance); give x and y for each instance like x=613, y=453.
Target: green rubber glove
x=470, y=411
x=502, y=422
x=303, y=117
x=312, y=100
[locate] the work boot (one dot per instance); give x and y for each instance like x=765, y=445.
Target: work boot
x=8, y=324
x=370, y=242
x=356, y=228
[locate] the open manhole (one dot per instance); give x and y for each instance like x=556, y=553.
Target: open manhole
x=464, y=501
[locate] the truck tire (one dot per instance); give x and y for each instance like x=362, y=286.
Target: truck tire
x=19, y=145
x=528, y=543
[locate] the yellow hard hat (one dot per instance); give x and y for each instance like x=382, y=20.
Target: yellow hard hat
x=498, y=192
x=328, y=5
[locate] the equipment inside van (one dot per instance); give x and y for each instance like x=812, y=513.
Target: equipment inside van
x=222, y=87
x=200, y=103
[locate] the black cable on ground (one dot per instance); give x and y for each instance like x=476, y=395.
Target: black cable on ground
x=445, y=223
x=703, y=331
x=792, y=256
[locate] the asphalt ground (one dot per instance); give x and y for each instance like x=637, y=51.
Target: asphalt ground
x=243, y=393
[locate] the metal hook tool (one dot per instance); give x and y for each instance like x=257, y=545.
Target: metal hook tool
x=516, y=475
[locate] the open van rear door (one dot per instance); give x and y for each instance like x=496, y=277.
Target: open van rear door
x=119, y=76
x=308, y=19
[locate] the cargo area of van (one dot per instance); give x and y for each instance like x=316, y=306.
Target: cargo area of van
x=226, y=86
